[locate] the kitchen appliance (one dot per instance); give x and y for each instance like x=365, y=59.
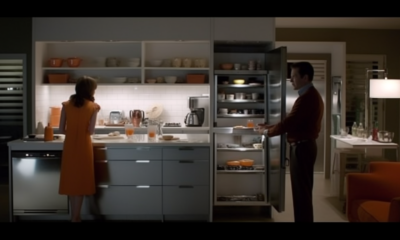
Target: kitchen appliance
x=35, y=183
x=137, y=117
x=199, y=108
x=115, y=117
x=195, y=118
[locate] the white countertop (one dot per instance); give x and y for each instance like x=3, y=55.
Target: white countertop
x=20, y=144
x=356, y=142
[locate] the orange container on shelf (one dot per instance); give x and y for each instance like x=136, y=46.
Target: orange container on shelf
x=55, y=120
x=58, y=78
x=55, y=111
x=48, y=133
x=196, y=78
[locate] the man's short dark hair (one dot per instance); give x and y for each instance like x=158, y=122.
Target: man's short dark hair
x=305, y=68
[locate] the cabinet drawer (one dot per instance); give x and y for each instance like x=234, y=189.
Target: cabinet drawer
x=186, y=200
x=138, y=172
x=140, y=153
x=186, y=172
x=128, y=200
x=186, y=153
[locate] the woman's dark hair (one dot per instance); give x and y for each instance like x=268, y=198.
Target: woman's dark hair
x=305, y=68
x=84, y=89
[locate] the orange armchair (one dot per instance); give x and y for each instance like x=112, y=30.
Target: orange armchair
x=374, y=196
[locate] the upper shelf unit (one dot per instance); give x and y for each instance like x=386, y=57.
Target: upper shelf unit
x=126, y=62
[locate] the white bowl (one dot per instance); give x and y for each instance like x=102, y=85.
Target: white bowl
x=155, y=63
x=119, y=80
x=133, y=64
x=170, y=79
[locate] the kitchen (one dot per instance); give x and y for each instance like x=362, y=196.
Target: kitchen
x=129, y=106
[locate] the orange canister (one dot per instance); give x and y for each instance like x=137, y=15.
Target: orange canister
x=48, y=133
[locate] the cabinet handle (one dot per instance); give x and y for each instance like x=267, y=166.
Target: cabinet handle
x=102, y=161
x=185, y=186
x=102, y=186
x=186, y=161
x=185, y=148
x=143, y=186
x=142, y=161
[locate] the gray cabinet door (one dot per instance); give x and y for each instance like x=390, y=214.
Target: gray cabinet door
x=186, y=153
x=244, y=29
x=130, y=200
x=117, y=29
x=139, y=172
x=186, y=172
x=186, y=200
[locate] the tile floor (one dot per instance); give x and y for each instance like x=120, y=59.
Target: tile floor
x=327, y=208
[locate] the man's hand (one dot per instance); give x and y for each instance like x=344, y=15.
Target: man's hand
x=262, y=127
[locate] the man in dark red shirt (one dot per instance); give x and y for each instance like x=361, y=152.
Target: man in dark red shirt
x=302, y=126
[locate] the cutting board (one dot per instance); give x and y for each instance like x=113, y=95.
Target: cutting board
x=106, y=137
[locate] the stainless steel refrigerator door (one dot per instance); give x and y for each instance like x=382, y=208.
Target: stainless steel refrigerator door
x=275, y=155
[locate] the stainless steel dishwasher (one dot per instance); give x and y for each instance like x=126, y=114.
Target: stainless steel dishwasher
x=35, y=182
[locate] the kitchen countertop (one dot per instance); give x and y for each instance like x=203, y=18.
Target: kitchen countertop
x=55, y=145
x=356, y=142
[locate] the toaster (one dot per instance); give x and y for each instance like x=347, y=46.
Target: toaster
x=115, y=117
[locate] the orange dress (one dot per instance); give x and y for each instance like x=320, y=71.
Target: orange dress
x=77, y=167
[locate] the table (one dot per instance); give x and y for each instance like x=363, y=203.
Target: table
x=355, y=142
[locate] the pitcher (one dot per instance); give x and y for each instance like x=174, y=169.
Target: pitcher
x=136, y=117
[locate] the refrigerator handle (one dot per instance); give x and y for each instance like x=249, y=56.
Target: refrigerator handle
x=339, y=96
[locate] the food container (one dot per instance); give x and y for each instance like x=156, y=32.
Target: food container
x=223, y=111
x=58, y=78
x=221, y=96
x=238, y=81
x=233, y=163
x=155, y=63
x=385, y=136
x=258, y=145
x=230, y=96
x=240, y=95
x=246, y=162
x=151, y=80
x=195, y=78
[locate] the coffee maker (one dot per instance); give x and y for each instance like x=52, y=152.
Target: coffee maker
x=198, y=116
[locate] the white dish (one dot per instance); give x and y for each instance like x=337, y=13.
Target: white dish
x=255, y=84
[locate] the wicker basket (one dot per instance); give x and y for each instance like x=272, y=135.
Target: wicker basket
x=196, y=78
x=58, y=78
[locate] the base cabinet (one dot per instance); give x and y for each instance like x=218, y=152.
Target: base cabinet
x=171, y=183
x=185, y=200
x=129, y=200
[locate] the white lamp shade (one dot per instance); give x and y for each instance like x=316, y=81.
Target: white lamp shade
x=384, y=88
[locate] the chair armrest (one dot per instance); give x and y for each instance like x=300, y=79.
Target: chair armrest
x=371, y=186
x=394, y=212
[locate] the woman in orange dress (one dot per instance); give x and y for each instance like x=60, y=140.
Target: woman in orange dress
x=78, y=118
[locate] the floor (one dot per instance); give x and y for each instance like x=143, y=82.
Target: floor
x=327, y=208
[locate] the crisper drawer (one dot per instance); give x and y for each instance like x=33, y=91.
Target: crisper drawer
x=186, y=200
x=128, y=200
x=139, y=153
x=186, y=172
x=186, y=153
x=136, y=172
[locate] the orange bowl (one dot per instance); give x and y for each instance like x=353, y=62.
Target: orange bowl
x=74, y=62
x=227, y=66
x=246, y=162
x=55, y=62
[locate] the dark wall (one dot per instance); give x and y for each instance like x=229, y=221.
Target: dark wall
x=16, y=38
x=360, y=41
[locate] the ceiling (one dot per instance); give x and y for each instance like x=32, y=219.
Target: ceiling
x=338, y=22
